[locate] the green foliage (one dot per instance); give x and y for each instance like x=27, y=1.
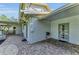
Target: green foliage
x=4, y=18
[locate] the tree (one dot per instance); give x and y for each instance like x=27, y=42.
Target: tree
x=4, y=18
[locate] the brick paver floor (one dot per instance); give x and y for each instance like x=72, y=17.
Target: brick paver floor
x=13, y=45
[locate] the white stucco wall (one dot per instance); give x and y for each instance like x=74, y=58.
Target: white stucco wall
x=24, y=32
x=10, y=30
x=37, y=30
x=18, y=29
x=73, y=28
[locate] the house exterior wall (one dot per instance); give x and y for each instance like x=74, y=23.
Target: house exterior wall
x=37, y=30
x=18, y=29
x=24, y=32
x=73, y=28
x=70, y=16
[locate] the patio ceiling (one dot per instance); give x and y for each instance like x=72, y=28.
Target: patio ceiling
x=24, y=16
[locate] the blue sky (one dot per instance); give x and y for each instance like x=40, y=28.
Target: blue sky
x=12, y=9
x=9, y=9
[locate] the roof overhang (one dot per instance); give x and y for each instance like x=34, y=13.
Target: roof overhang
x=59, y=10
x=9, y=22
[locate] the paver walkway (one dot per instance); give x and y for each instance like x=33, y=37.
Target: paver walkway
x=13, y=45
